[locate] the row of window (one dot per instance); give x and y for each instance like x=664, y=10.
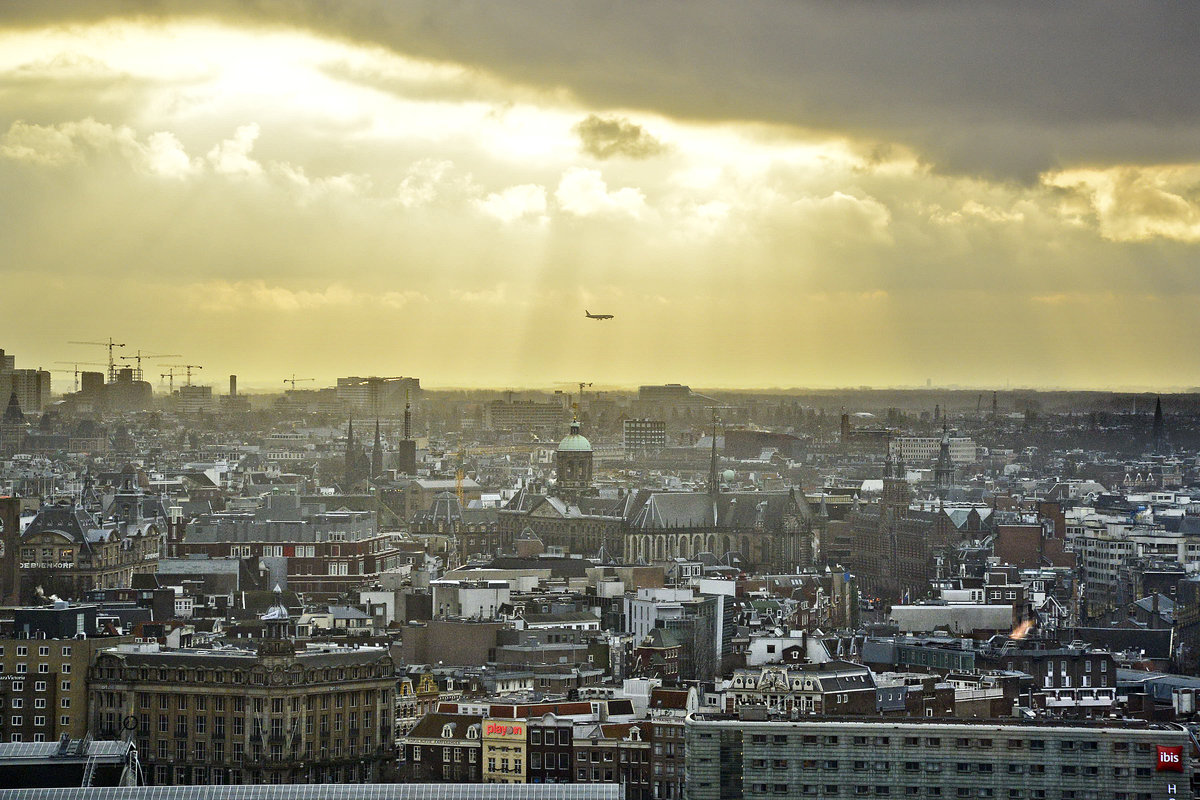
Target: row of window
x=215, y=752
x=884, y=790
x=38, y=686
x=278, y=705
x=200, y=725
x=219, y=776
x=43, y=650
x=38, y=737
x=256, y=674
x=936, y=741
x=18, y=703
x=564, y=736
x=986, y=768
x=43, y=669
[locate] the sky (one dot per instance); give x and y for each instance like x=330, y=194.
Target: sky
x=764, y=194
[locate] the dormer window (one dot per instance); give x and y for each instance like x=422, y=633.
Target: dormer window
x=473, y=732
x=448, y=730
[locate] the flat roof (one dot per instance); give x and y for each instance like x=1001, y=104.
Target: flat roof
x=967, y=722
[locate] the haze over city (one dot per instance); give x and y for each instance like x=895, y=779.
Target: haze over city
x=605, y=400
x=784, y=195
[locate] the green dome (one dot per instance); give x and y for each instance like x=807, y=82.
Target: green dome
x=575, y=442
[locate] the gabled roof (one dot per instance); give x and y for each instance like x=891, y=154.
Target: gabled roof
x=67, y=519
x=664, y=510
x=432, y=725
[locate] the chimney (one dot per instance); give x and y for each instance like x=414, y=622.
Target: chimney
x=233, y=385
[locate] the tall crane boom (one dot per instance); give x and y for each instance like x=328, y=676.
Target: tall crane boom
x=188, y=367
x=139, y=355
x=294, y=380
x=76, y=365
x=110, y=344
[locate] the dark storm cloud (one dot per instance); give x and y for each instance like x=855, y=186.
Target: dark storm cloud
x=1005, y=89
x=605, y=137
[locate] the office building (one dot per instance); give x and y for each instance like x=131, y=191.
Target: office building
x=44, y=662
x=644, y=435
x=196, y=399
x=278, y=714
x=376, y=396
x=925, y=449
x=523, y=415
x=757, y=756
x=326, y=552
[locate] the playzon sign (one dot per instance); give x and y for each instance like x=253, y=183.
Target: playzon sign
x=503, y=730
x=1170, y=759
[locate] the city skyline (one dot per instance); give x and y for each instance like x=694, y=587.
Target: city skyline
x=770, y=196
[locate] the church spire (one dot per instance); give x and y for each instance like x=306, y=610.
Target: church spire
x=377, y=454
x=944, y=471
x=1159, y=431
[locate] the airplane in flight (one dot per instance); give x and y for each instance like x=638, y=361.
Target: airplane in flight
x=590, y=315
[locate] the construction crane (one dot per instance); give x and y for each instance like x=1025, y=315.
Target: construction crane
x=188, y=367
x=69, y=372
x=294, y=380
x=137, y=371
x=170, y=376
x=110, y=344
x=579, y=405
x=576, y=404
x=76, y=365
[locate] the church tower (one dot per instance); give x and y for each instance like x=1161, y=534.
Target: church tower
x=896, y=494
x=1159, y=431
x=573, y=462
x=943, y=473
x=377, y=454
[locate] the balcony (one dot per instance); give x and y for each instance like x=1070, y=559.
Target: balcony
x=1080, y=698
